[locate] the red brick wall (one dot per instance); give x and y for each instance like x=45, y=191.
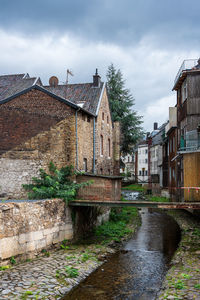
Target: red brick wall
x=27, y=115
x=102, y=188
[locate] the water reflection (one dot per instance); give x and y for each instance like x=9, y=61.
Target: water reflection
x=137, y=271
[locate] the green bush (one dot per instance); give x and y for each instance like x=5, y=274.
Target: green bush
x=57, y=184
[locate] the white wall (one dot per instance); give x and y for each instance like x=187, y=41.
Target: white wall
x=143, y=162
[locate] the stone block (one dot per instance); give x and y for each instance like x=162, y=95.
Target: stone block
x=49, y=239
x=9, y=247
x=30, y=246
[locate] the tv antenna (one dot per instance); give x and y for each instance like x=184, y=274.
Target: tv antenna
x=69, y=72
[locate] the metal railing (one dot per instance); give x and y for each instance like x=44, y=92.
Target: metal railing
x=191, y=142
x=187, y=64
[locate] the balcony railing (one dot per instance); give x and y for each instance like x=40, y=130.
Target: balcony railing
x=191, y=143
x=187, y=64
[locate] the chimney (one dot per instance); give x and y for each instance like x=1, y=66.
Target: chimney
x=96, y=79
x=155, y=126
x=53, y=81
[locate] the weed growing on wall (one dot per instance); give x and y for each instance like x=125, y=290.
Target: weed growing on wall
x=56, y=184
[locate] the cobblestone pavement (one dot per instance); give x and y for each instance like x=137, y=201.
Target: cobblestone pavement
x=51, y=277
x=183, y=278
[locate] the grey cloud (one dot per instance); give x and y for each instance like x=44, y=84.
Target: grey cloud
x=123, y=22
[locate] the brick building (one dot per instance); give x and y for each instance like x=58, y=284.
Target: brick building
x=67, y=124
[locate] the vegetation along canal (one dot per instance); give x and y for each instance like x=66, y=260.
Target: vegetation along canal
x=136, y=271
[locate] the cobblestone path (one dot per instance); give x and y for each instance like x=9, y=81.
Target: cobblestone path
x=183, y=278
x=48, y=277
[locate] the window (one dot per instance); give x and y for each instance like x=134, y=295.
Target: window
x=184, y=90
x=146, y=173
x=109, y=148
x=102, y=116
x=140, y=173
x=85, y=164
x=88, y=119
x=146, y=161
x=128, y=159
x=146, y=151
x=83, y=116
x=101, y=145
x=107, y=119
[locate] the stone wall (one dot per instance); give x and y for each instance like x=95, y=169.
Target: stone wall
x=28, y=227
x=85, y=141
x=104, y=128
x=25, y=160
x=20, y=172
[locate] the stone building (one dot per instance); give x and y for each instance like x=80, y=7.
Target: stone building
x=67, y=124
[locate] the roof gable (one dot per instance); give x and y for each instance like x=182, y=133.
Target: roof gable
x=86, y=96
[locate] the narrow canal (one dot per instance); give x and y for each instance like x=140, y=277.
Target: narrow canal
x=137, y=271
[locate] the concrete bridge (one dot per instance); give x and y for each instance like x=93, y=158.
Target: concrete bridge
x=140, y=204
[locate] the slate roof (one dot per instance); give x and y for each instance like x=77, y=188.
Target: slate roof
x=157, y=138
x=13, y=84
x=85, y=94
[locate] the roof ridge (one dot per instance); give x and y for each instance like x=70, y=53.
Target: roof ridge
x=7, y=75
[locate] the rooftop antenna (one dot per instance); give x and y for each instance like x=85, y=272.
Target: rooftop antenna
x=69, y=72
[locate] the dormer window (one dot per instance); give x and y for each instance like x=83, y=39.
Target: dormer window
x=102, y=116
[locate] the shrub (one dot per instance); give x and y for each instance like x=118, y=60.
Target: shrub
x=56, y=184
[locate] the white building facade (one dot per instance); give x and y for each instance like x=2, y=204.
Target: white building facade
x=142, y=163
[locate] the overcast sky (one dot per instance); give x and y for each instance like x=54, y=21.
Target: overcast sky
x=146, y=39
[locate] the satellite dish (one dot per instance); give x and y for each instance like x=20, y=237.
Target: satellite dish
x=53, y=81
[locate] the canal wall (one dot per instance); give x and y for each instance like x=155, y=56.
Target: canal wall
x=28, y=227
x=182, y=280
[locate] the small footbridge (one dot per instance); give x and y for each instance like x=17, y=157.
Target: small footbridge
x=139, y=204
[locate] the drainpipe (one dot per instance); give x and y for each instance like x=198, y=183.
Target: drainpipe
x=94, y=140
x=76, y=115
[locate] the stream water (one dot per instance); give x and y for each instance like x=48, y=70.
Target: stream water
x=137, y=271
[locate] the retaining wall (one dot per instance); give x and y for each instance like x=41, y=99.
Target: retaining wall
x=28, y=227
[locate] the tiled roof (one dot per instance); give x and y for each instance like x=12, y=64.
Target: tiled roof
x=13, y=84
x=85, y=95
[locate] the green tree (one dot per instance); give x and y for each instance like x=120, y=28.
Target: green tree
x=121, y=105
